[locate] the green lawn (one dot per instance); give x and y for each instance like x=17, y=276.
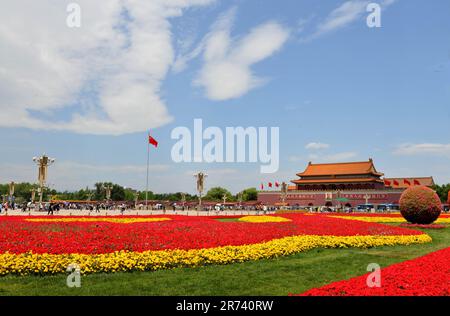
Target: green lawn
x=292, y=274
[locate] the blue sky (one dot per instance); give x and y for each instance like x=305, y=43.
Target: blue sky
x=337, y=89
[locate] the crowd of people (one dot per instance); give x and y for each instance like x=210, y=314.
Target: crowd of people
x=97, y=207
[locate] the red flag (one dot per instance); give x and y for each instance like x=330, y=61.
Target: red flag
x=416, y=182
x=262, y=186
x=270, y=184
x=387, y=182
x=152, y=141
x=396, y=182
x=406, y=181
x=277, y=184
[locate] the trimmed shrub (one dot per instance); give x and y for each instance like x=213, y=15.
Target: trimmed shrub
x=420, y=205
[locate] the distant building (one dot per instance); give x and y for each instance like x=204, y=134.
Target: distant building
x=343, y=184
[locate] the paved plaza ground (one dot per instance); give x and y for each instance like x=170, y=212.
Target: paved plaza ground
x=65, y=212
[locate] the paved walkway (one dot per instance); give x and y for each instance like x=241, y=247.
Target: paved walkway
x=135, y=212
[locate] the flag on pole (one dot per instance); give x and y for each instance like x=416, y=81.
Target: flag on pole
x=406, y=181
x=277, y=184
x=270, y=184
x=396, y=182
x=152, y=141
x=416, y=182
x=262, y=186
x=387, y=182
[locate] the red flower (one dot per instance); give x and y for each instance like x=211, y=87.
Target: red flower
x=425, y=276
x=182, y=232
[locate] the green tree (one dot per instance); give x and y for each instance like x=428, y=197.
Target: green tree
x=250, y=194
x=117, y=191
x=217, y=193
x=442, y=191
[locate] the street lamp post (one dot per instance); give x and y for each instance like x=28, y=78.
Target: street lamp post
x=240, y=198
x=33, y=194
x=200, y=185
x=43, y=162
x=136, y=199
x=89, y=194
x=108, y=189
x=183, y=199
x=11, y=194
x=367, y=197
x=283, y=192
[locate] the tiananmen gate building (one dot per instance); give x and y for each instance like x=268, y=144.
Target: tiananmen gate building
x=355, y=183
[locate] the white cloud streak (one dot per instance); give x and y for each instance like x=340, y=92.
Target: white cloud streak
x=423, y=149
x=342, y=16
x=104, y=77
x=227, y=73
x=317, y=146
x=337, y=157
x=70, y=175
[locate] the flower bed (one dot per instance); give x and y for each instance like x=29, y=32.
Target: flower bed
x=386, y=219
x=126, y=243
x=427, y=226
x=425, y=276
x=264, y=219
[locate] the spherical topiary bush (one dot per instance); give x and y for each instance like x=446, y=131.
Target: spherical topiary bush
x=420, y=205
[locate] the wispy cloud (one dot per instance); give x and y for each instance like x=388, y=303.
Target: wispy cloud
x=319, y=152
x=71, y=175
x=337, y=157
x=342, y=16
x=317, y=146
x=105, y=76
x=226, y=72
x=422, y=149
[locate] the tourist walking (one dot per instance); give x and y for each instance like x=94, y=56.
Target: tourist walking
x=50, y=209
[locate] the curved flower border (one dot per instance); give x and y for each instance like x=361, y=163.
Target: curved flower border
x=385, y=219
x=124, y=220
x=428, y=275
x=264, y=219
x=121, y=261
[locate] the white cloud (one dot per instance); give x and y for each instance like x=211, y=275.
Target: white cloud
x=70, y=175
x=227, y=72
x=296, y=158
x=342, y=16
x=317, y=146
x=337, y=157
x=47, y=67
x=424, y=148
x=214, y=172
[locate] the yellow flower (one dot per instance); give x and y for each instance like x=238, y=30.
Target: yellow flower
x=31, y=263
x=264, y=219
x=125, y=220
x=386, y=219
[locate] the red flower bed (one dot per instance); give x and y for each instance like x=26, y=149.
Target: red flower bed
x=181, y=232
x=375, y=214
x=427, y=226
x=425, y=276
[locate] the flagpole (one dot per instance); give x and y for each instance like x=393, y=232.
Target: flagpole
x=148, y=162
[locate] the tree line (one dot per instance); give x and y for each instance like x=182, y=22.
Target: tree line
x=442, y=191
x=119, y=193
x=22, y=193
